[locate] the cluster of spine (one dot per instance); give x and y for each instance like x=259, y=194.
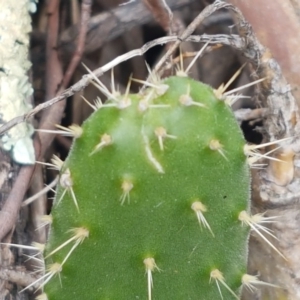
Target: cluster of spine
x=153, y=200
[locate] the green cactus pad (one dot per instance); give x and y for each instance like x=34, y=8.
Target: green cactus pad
x=159, y=179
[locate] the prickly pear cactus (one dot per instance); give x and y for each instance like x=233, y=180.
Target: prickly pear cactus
x=152, y=200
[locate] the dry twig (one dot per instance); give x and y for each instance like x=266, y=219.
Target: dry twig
x=85, y=16
x=162, y=13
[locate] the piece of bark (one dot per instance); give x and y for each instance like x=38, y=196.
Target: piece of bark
x=276, y=24
x=278, y=184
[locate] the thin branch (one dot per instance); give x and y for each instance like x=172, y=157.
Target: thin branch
x=85, y=16
x=10, y=210
x=207, y=11
x=162, y=13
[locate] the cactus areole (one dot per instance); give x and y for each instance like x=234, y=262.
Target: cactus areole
x=149, y=200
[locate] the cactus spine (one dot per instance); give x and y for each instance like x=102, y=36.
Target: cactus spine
x=152, y=200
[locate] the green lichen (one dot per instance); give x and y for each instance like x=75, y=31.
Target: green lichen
x=15, y=88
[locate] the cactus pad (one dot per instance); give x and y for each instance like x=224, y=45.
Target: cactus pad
x=149, y=200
